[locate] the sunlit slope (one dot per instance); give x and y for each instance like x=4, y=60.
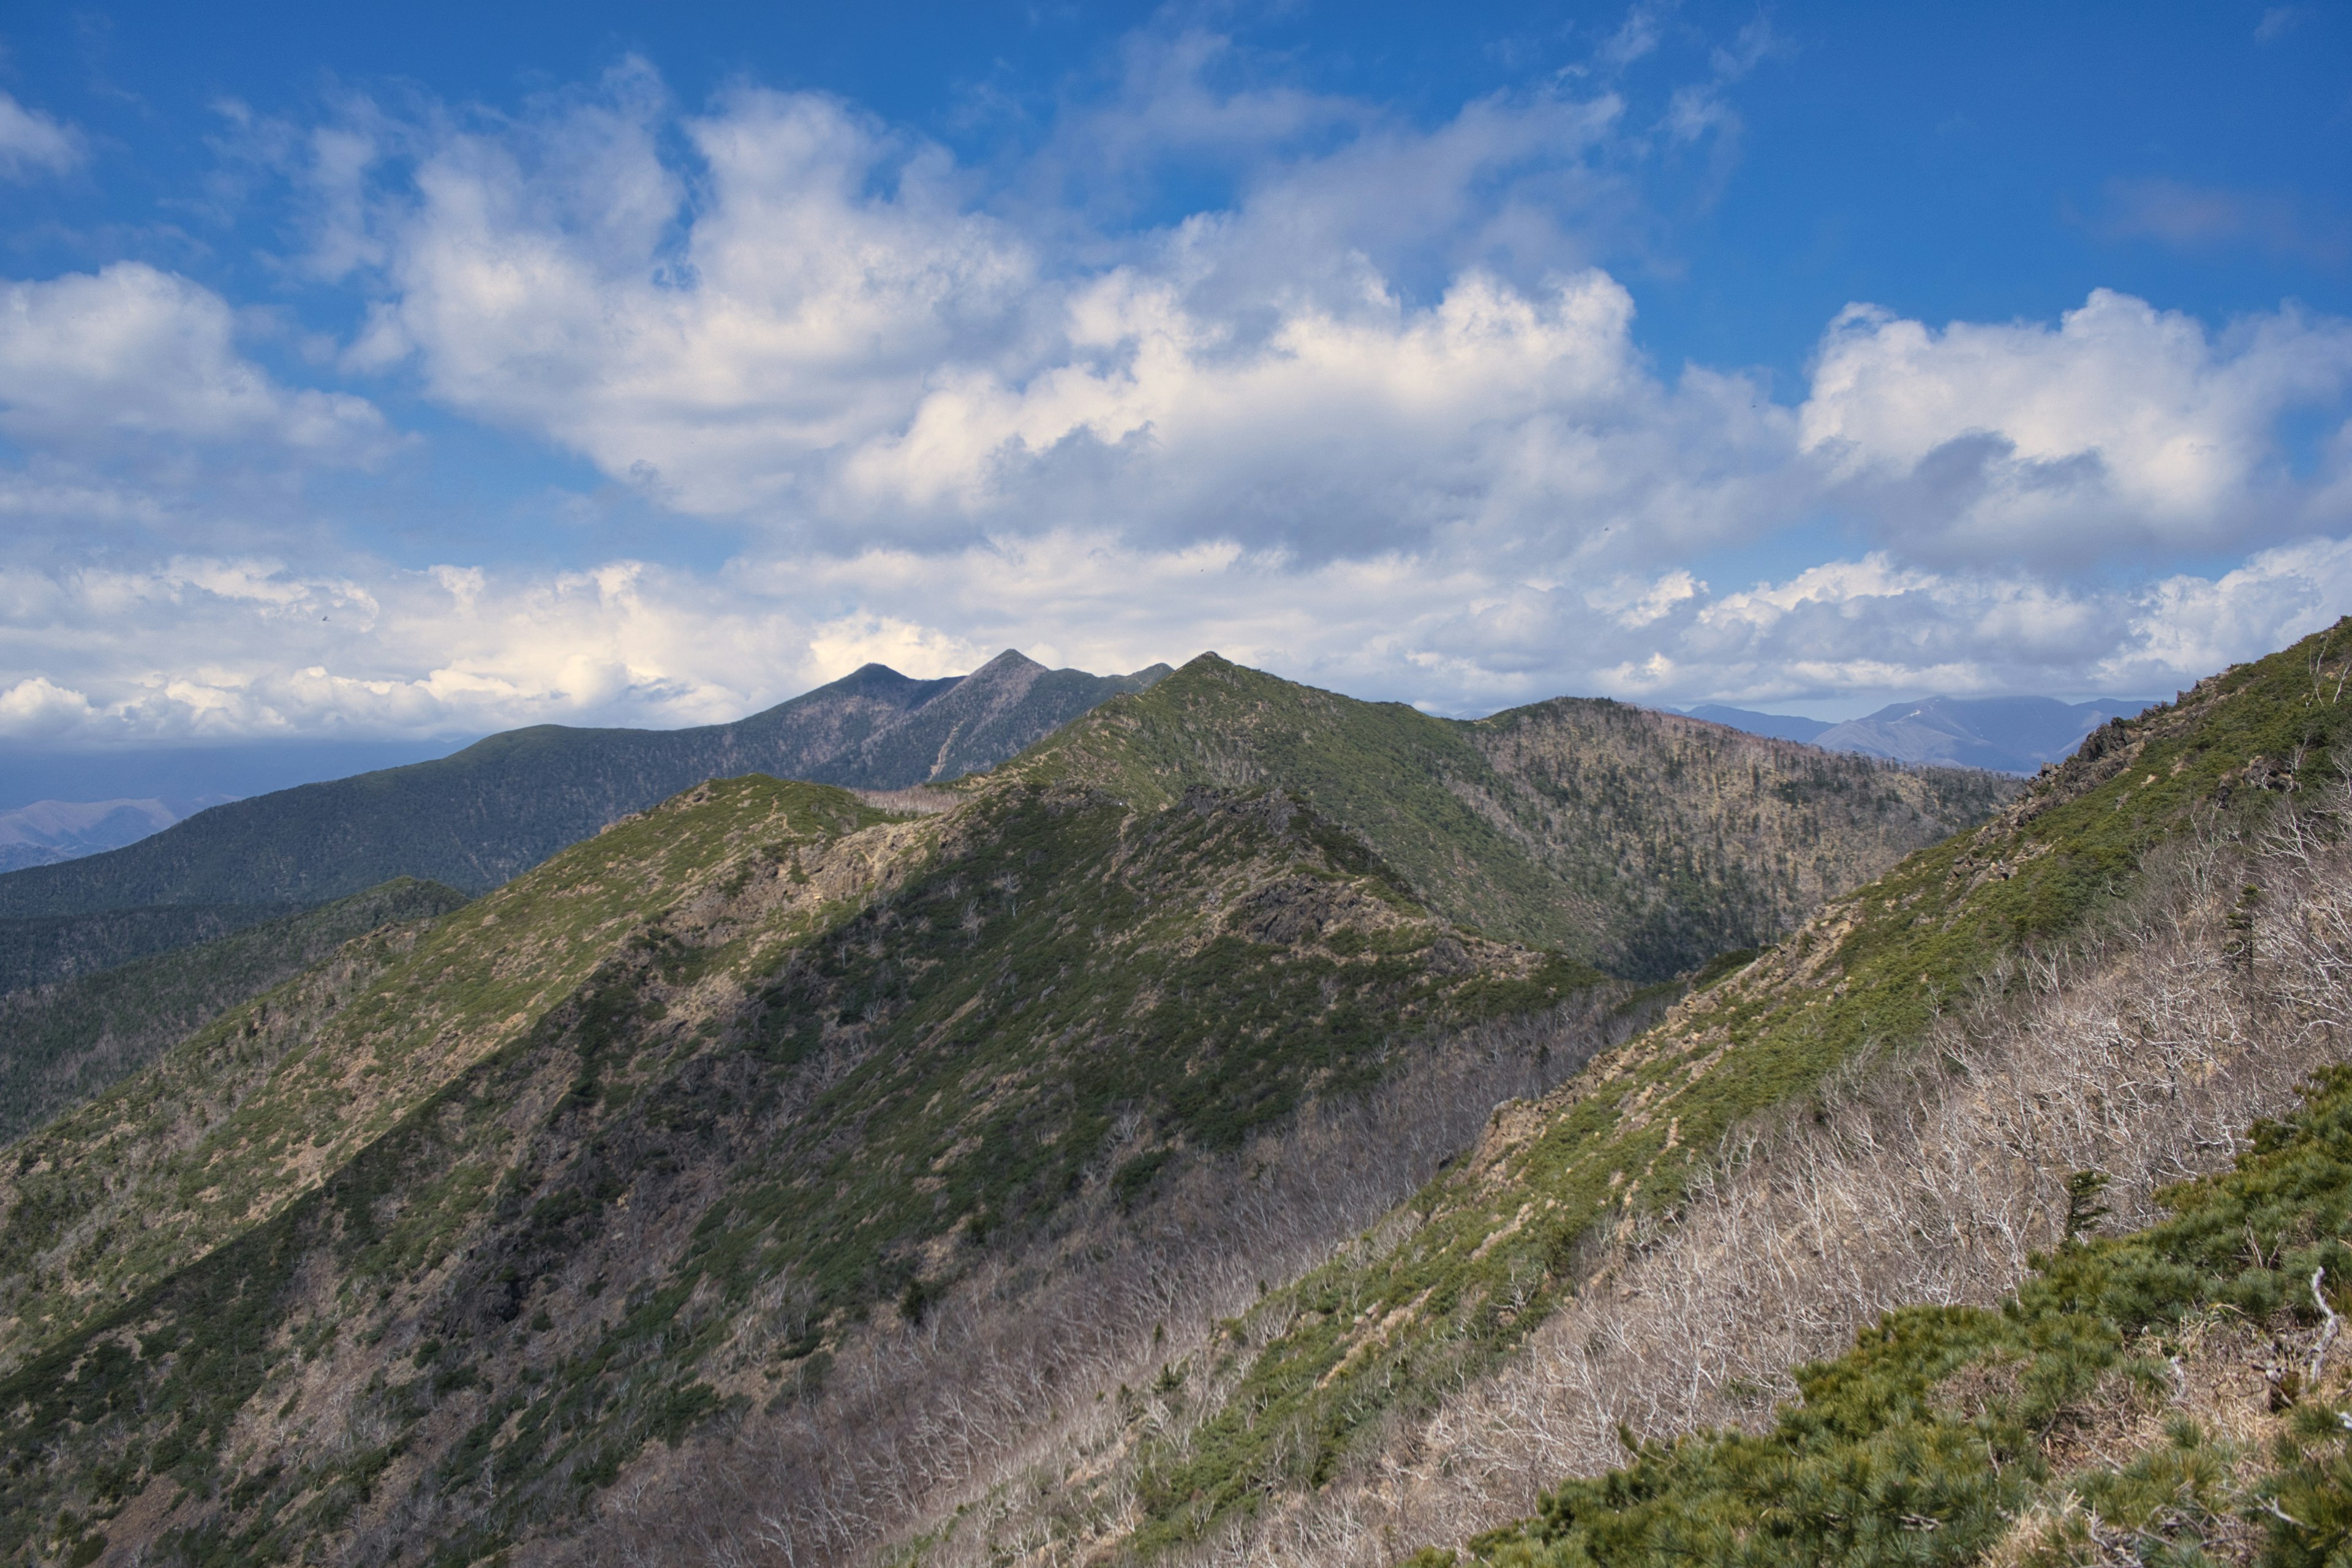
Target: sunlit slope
x=1641, y=842
x=515, y=1189
x=263, y=1104
x=1459, y=1278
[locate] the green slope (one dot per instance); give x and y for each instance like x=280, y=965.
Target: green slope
x=61, y=1043
x=1882, y=1461
x=765, y=1032
x=428, y=1246
x=1642, y=842
x=44, y=950
x=1516, y=1223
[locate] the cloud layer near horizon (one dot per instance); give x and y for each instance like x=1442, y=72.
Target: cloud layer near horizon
x=1377, y=421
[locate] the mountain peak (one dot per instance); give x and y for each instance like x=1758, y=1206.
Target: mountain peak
x=1011, y=658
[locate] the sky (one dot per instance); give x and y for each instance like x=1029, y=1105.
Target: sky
x=398, y=373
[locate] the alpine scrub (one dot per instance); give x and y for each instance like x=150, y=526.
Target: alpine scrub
x=1945, y=1428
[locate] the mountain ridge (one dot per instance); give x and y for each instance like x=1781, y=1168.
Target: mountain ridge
x=474, y=819
x=645, y=1138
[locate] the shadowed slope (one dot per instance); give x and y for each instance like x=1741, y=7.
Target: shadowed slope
x=61, y=1043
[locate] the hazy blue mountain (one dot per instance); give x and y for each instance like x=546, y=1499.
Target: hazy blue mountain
x=504, y=804
x=2005, y=734
x=1780, y=726
x=50, y=830
x=190, y=778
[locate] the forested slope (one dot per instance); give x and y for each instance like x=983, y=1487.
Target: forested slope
x=1644, y=842
x=64, y=1042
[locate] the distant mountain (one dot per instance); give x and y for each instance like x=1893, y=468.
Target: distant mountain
x=1999, y=735
x=51, y=830
x=189, y=778
x=1780, y=726
x=505, y=803
x=2005, y=734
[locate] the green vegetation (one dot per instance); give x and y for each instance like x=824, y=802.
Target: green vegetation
x=1643, y=842
x=1498, y=1243
x=1945, y=1425
x=809, y=1043
x=48, y=949
x=66, y=1042
x=641, y=1144
x=505, y=803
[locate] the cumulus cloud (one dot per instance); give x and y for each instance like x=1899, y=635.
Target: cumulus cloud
x=133, y=355
x=459, y=650
x=818, y=331
x=816, y=325
x=2122, y=428
x=538, y=282
x=1376, y=422
x=32, y=142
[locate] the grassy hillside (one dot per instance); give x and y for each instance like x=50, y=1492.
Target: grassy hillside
x=2101, y=1413
x=1345, y=1362
x=61, y=1043
x=679, y=1157
x=1642, y=842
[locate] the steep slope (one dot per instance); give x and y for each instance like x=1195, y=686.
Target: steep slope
x=61, y=1043
x=505, y=803
x=2169, y=1392
x=428, y=1246
x=1337, y=1375
x=1641, y=842
x=771, y=1145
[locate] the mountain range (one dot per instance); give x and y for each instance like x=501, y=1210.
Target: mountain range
x=2004, y=734
x=474, y=819
x=1247, y=1123
x=778, y=1061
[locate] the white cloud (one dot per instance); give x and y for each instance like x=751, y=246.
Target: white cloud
x=1376, y=423
x=32, y=142
x=2123, y=428
x=2277, y=22
x=221, y=648
x=815, y=329
x=540, y=284
x=131, y=355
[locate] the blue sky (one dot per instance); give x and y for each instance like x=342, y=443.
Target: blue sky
x=434, y=371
